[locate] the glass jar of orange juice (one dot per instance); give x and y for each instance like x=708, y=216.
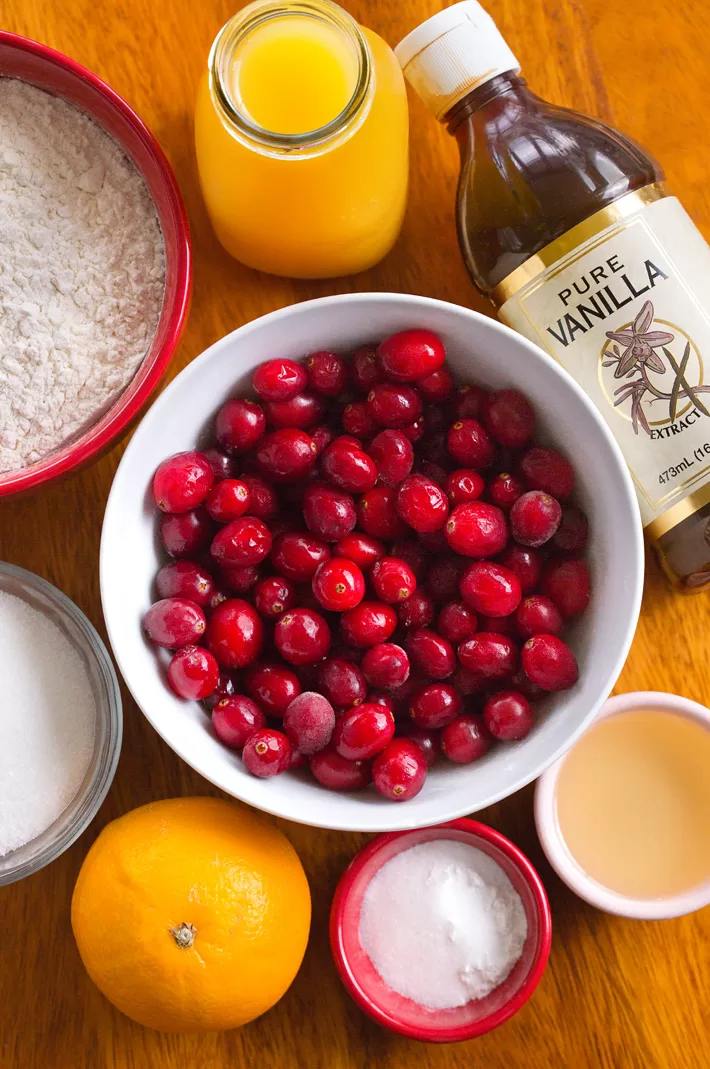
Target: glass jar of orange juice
x=302, y=140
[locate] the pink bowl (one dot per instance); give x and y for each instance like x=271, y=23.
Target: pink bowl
x=401, y=1014
x=57, y=74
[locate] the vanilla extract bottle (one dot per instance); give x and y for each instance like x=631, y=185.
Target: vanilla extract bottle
x=568, y=227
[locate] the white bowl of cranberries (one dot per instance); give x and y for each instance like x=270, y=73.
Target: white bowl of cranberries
x=380, y=550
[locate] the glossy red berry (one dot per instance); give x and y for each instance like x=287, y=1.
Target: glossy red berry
x=468, y=683
x=327, y=373
x=538, y=615
x=361, y=549
x=490, y=589
x=470, y=444
x=549, y=662
x=509, y=417
x=304, y=410
x=392, y=580
x=223, y=466
x=272, y=686
x=411, y=355
x=239, y=425
x=365, y=368
x=456, y=622
x=568, y=583
x=477, y=529
x=436, y=706
x=427, y=741
x=274, y=595
x=302, y=637
x=235, y=633
x=377, y=514
x=431, y=653
x=185, y=579
x=422, y=504
x=266, y=753
x=358, y=421
x=236, y=719
x=263, y=501
x=186, y=534
x=546, y=469
x=308, y=722
x=239, y=579
x=417, y=611
x=534, y=518
x=489, y=655
x=193, y=673
x=339, y=773
x=182, y=481
x=504, y=490
x=526, y=563
x=368, y=623
x=242, y=542
x=342, y=682
x=465, y=739
x=329, y=512
x=349, y=467
x=385, y=666
x=437, y=387
x=393, y=455
x=400, y=770
x=391, y=404
x=464, y=485
x=572, y=534
x=414, y=431
x=174, y=622
x=469, y=402
x=297, y=555
x=363, y=732
x=286, y=455
x=338, y=584
x=508, y=716
x=278, y=380
x=228, y=500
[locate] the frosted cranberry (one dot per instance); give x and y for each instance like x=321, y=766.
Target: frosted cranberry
x=296, y=555
x=368, y=623
x=302, y=637
x=349, y=467
x=427, y=741
x=456, y=622
x=465, y=739
x=185, y=579
x=339, y=584
x=182, y=481
x=228, y=500
x=174, y=622
x=422, y=504
x=526, y=563
x=567, y=582
x=436, y=706
x=235, y=633
x=285, y=455
x=546, y=469
x=414, y=431
x=469, y=402
x=508, y=716
x=464, y=485
x=470, y=444
x=444, y=578
x=499, y=625
x=490, y=588
x=361, y=549
x=342, y=682
x=504, y=490
x=393, y=454
x=571, y=536
x=185, y=534
x=242, y=542
x=417, y=611
x=489, y=655
x=509, y=417
x=236, y=719
x=431, y=653
x=263, y=501
x=400, y=770
x=309, y=722
x=538, y=615
x=278, y=380
x=411, y=355
x=385, y=666
x=392, y=580
x=358, y=421
x=327, y=373
x=240, y=579
x=477, y=529
x=273, y=686
x=239, y=425
x=328, y=512
x=339, y=773
x=193, y=673
x=413, y=553
x=223, y=466
x=390, y=404
x=468, y=683
x=437, y=387
x=274, y=595
x=363, y=732
x=534, y=518
x=377, y=514
x=322, y=437
x=549, y=662
x=266, y=753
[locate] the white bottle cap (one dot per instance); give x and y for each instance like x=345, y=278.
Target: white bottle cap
x=452, y=53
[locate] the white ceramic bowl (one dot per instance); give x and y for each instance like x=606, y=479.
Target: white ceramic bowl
x=563, y=862
x=479, y=349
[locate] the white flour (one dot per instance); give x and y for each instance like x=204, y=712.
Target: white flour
x=82, y=271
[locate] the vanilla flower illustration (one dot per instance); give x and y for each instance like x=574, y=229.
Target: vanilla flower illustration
x=639, y=343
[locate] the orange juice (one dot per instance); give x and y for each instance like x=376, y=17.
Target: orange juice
x=301, y=132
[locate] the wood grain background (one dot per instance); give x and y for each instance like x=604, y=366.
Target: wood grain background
x=617, y=994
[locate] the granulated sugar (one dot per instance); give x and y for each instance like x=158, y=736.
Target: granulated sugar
x=47, y=722
x=82, y=272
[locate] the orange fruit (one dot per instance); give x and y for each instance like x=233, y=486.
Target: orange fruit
x=192, y=914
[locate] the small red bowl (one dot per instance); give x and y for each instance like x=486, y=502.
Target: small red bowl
x=63, y=77
x=401, y=1014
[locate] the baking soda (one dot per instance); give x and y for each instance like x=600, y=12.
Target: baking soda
x=442, y=923
x=47, y=722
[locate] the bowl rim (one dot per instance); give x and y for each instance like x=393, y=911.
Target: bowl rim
x=476, y=832
x=127, y=404
x=556, y=851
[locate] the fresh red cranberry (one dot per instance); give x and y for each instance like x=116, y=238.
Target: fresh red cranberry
x=549, y=662
x=546, y=469
x=413, y=553
x=477, y=529
x=174, y=622
x=278, y=380
x=489, y=655
x=368, y=623
x=436, y=706
x=377, y=514
x=266, y=753
x=427, y=741
x=193, y=673
x=361, y=549
x=422, y=504
x=327, y=373
x=185, y=579
x=357, y=420
x=385, y=666
x=338, y=773
x=379, y=697
x=571, y=536
x=274, y=595
x=186, y=534
x=411, y=355
x=465, y=739
x=393, y=454
x=499, y=625
x=567, y=582
x=236, y=719
x=417, y=611
x=297, y=555
x=431, y=653
x=240, y=579
x=392, y=580
x=302, y=411
x=322, y=437
x=444, y=578
x=464, y=485
x=349, y=467
x=470, y=444
x=263, y=501
x=468, y=683
x=414, y=431
x=490, y=588
x=390, y=404
x=508, y=715
x=400, y=770
x=286, y=455
x=302, y=637
x=504, y=490
x=223, y=466
x=235, y=633
x=365, y=368
x=437, y=387
x=538, y=615
x=329, y=513
x=228, y=500
x=342, y=682
x=182, y=481
x=339, y=584
x=242, y=542
x=526, y=563
x=456, y=622
x=534, y=518
x=469, y=402
x=309, y=722
x=363, y=732
x=273, y=686
x=509, y=417
x=239, y=425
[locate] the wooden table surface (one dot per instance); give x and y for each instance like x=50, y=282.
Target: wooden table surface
x=617, y=994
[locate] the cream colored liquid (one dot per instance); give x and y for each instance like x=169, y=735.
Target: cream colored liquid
x=633, y=803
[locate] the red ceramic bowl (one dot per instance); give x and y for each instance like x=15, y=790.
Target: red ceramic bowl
x=57, y=74
x=400, y=1014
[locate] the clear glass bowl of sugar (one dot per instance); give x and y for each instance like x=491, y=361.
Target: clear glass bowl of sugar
x=83, y=638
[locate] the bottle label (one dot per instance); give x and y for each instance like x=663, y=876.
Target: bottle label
x=622, y=301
